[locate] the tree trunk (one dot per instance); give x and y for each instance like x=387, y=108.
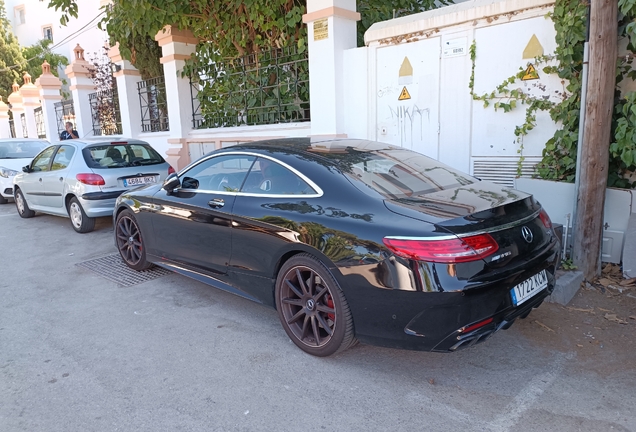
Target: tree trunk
x=596, y=136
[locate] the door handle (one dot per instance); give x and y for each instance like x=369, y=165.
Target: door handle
x=40, y=180
x=216, y=203
x=61, y=179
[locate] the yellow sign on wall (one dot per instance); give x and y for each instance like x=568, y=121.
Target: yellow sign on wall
x=404, y=95
x=321, y=29
x=530, y=74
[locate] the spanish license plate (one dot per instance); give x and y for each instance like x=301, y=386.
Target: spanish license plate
x=529, y=288
x=136, y=181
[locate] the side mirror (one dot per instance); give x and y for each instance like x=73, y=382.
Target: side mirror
x=171, y=183
x=26, y=169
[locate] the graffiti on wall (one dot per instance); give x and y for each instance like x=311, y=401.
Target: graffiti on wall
x=410, y=120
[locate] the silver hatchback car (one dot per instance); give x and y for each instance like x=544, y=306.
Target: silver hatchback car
x=81, y=179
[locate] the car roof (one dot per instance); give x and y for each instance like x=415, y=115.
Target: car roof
x=335, y=151
x=84, y=142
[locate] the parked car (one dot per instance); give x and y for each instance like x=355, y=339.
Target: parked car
x=14, y=154
x=81, y=179
x=349, y=240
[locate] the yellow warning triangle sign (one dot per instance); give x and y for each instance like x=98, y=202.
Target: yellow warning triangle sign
x=404, y=95
x=530, y=74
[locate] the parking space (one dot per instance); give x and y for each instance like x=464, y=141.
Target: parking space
x=82, y=352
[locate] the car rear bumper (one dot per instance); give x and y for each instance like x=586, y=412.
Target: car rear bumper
x=97, y=196
x=99, y=204
x=441, y=321
x=98, y=208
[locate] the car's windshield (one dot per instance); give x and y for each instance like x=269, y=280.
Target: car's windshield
x=399, y=174
x=121, y=155
x=21, y=149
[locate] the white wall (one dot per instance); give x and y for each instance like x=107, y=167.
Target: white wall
x=440, y=119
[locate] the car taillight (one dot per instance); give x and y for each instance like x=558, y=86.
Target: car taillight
x=91, y=179
x=543, y=215
x=171, y=170
x=447, y=251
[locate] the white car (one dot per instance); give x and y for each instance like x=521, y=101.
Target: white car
x=82, y=178
x=14, y=154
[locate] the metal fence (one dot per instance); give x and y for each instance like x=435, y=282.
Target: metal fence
x=154, y=105
x=12, y=128
x=105, y=113
x=25, y=130
x=268, y=88
x=64, y=112
x=39, y=123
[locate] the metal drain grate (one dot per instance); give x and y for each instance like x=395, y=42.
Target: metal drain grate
x=112, y=267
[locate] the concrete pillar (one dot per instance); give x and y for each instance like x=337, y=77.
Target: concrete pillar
x=30, y=101
x=81, y=87
x=17, y=109
x=49, y=87
x=331, y=31
x=127, y=77
x=5, y=130
x=177, y=46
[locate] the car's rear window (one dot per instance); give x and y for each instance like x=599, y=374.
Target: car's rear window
x=396, y=173
x=120, y=155
x=21, y=149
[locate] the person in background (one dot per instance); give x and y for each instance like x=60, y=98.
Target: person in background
x=69, y=133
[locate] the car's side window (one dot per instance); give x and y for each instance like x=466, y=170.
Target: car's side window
x=218, y=174
x=62, y=158
x=271, y=178
x=42, y=161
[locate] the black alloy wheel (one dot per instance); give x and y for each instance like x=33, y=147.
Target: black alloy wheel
x=312, y=308
x=23, y=208
x=129, y=241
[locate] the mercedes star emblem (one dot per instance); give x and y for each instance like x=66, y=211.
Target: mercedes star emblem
x=527, y=234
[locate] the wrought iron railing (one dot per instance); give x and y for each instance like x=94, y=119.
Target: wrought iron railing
x=154, y=105
x=64, y=112
x=268, y=88
x=12, y=128
x=25, y=130
x=39, y=123
x=105, y=113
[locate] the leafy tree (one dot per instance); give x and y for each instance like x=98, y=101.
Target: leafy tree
x=37, y=53
x=10, y=55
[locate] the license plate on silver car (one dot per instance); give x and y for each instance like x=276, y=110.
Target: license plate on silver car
x=529, y=288
x=136, y=181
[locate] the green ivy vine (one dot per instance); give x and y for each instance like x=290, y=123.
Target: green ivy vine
x=507, y=98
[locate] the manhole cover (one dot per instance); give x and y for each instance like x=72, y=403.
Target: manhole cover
x=112, y=267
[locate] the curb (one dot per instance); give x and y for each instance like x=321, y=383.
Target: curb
x=567, y=285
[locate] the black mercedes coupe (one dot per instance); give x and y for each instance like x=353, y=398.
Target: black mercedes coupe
x=350, y=240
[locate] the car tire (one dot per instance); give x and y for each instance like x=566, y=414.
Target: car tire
x=312, y=307
x=3, y=200
x=23, y=208
x=80, y=222
x=129, y=241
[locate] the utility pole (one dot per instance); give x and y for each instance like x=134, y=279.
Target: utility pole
x=588, y=224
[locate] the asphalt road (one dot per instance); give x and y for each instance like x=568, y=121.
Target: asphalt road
x=79, y=352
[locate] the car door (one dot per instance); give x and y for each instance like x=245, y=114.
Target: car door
x=193, y=224
x=267, y=216
x=54, y=179
x=31, y=183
